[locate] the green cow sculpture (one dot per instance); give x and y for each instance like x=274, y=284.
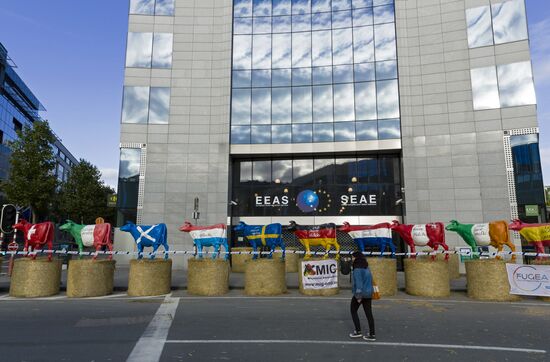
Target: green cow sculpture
x=494, y=233
x=97, y=236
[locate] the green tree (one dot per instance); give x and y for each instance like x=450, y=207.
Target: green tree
x=32, y=181
x=83, y=197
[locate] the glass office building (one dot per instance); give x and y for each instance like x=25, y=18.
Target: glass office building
x=19, y=108
x=328, y=110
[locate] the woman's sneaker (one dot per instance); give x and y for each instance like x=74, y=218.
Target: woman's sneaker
x=356, y=334
x=370, y=337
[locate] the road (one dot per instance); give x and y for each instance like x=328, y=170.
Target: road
x=180, y=327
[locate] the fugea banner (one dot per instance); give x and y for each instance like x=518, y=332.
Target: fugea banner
x=529, y=279
x=319, y=274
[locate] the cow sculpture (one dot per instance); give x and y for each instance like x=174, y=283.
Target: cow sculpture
x=269, y=236
x=214, y=236
x=378, y=235
x=148, y=235
x=97, y=236
x=316, y=235
x=432, y=235
x=537, y=234
x=36, y=235
x=494, y=233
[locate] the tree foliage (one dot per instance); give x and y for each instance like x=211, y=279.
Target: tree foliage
x=83, y=197
x=32, y=180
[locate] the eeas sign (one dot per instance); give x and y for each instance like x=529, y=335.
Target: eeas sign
x=319, y=274
x=529, y=279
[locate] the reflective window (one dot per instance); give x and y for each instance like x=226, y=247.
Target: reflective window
x=509, y=21
x=261, y=171
x=146, y=105
x=138, y=50
x=281, y=171
x=135, y=104
x=301, y=66
x=128, y=184
x=240, y=134
x=152, y=7
x=245, y=174
x=484, y=88
x=389, y=129
x=159, y=105
x=162, y=50
x=480, y=32
x=515, y=84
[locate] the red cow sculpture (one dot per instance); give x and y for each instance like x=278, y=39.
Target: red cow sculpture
x=537, y=234
x=432, y=235
x=36, y=235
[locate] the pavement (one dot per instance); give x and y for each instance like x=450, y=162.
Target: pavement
x=292, y=327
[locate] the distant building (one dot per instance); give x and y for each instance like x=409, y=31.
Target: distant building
x=19, y=108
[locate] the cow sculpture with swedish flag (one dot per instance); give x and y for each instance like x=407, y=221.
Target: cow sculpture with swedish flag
x=268, y=236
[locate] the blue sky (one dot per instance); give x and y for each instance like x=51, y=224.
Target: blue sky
x=71, y=54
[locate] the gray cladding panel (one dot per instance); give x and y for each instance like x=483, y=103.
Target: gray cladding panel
x=464, y=176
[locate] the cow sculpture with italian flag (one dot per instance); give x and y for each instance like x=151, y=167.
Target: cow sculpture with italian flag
x=494, y=233
x=96, y=236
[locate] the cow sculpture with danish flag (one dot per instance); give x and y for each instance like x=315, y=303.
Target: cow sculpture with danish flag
x=148, y=236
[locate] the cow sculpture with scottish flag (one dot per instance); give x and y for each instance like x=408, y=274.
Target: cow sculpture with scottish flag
x=148, y=236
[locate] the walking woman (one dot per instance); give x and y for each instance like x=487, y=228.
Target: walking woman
x=362, y=295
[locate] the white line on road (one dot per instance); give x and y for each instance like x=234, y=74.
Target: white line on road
x=394, y=344
x=149, y=347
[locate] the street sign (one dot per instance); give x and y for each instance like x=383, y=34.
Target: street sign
x=531, y=210
x=111, y=201
x=13, y=246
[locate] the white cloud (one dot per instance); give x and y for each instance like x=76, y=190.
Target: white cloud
x=539, y=34
x=110, y=176
x=545, y=162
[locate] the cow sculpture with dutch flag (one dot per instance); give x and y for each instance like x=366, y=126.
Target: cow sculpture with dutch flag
x=213, y=235
x=378, y=235
x=97, y=236
x=148, y=236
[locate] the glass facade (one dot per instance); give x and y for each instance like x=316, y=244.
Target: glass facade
x=319, y=71
x=350, y=185
x=505, y=85
x=149, y=50
x=128, y=185
x=146, y=105
x=496, y=24
x=527, y=172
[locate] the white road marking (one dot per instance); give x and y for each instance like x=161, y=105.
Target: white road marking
x=361, y=343
x=149, y=347
x=384, y=299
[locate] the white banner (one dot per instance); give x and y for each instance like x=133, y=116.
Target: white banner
x=529, y=279
x=319, y=274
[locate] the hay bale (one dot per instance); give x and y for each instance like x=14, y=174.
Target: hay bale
x=427, y=278
x=384, y=272
x=238, y=261
x=35, y=278
x=90, y=278
x=453, y=263
x=292, y=260
x=487, y=279
x=149, y=277
x=265, y=277
x=325, y=292
x=545, y=261
x=207, y=276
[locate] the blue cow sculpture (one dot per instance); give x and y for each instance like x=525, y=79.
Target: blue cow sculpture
x=148, y=235
x=269, y=236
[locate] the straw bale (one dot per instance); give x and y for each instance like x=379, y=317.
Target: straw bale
x=208, y=276
x=487, y=280
x=427, y=278
x=384, y=272
x=149, y=277
x=292, y=260
x=238, y=260
x=545, y=261
x=453, y=263
x=265, y=277
x=35, y=278
x=325, y=292
x=90, y=278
